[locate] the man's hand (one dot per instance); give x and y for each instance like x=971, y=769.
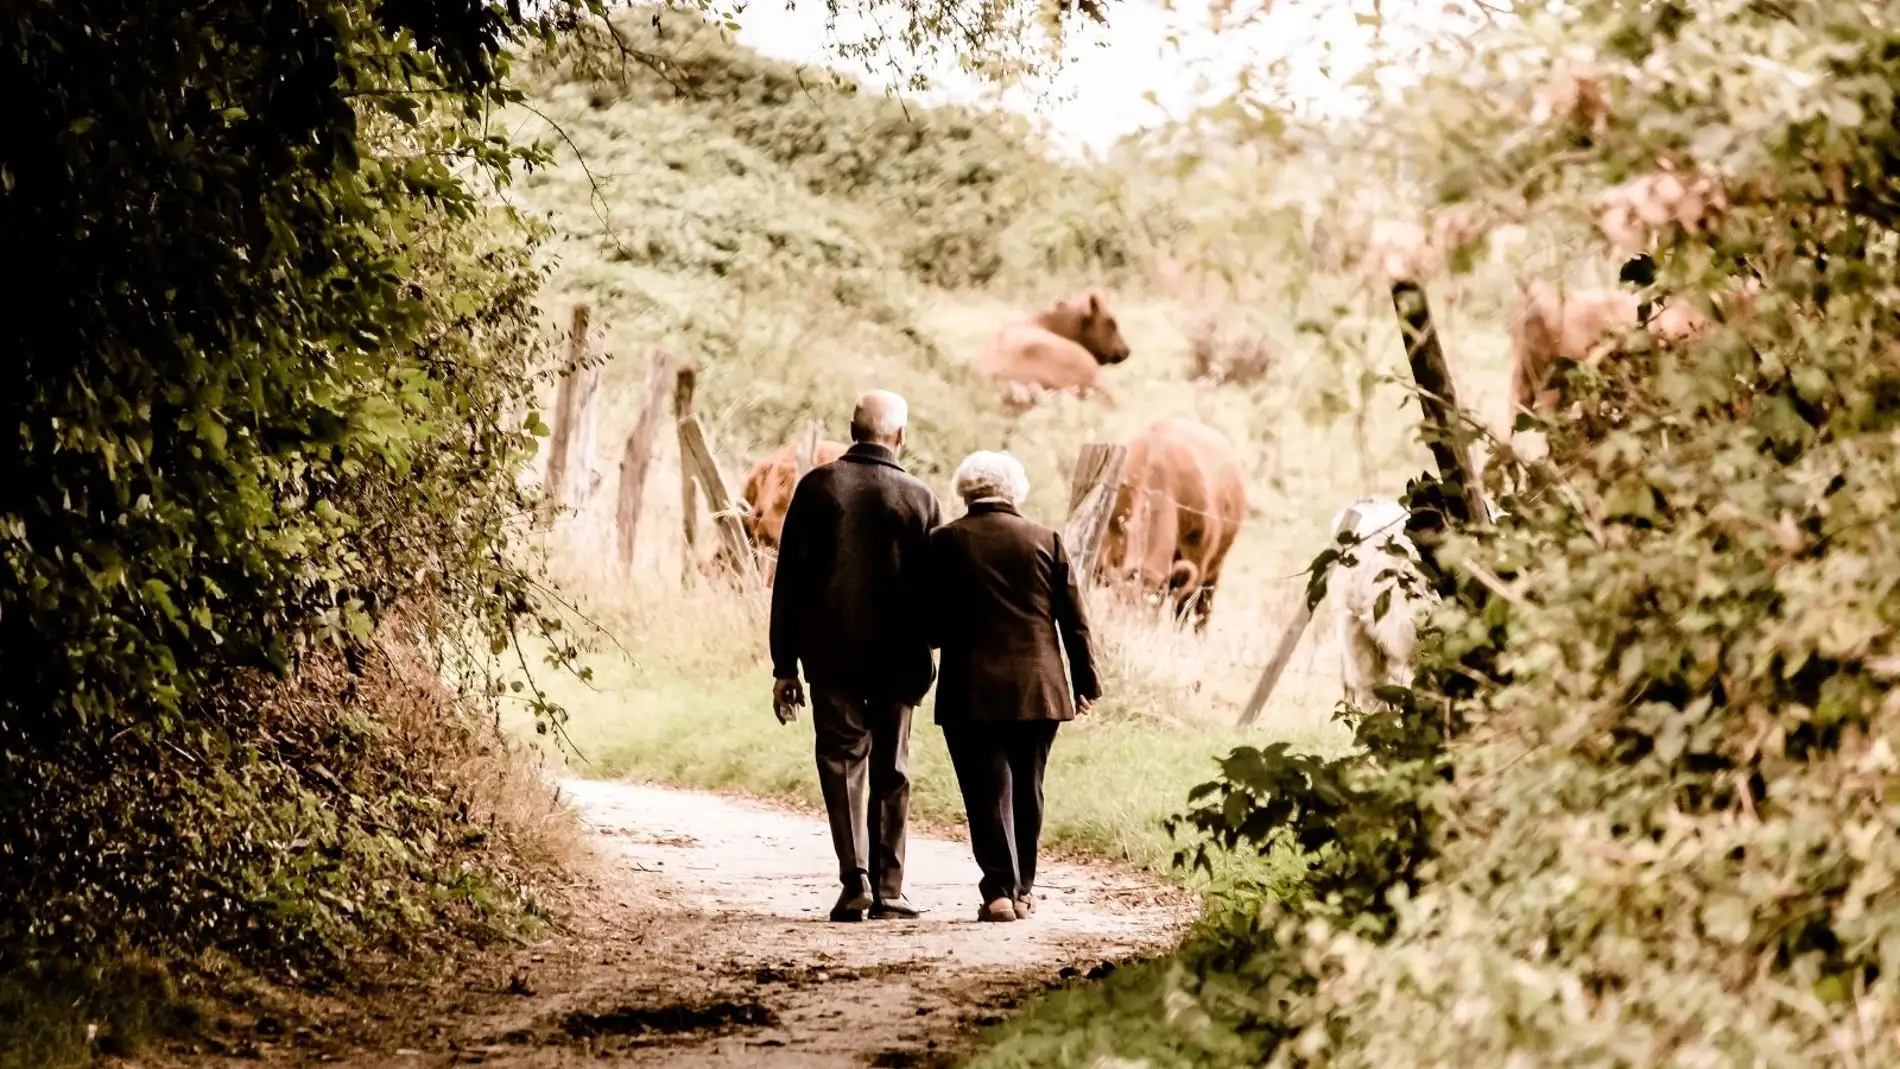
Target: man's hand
x=787, y=696
x=1083, y=705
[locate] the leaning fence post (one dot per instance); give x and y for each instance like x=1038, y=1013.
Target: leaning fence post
x=1439, y=399
x=698, y=457
x=571, y=439
x=1290, y=638
x=1098, y=472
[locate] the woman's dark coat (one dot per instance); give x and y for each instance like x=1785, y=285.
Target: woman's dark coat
x=1004, y=605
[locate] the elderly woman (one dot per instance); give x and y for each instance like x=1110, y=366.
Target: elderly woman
x=1006, y=607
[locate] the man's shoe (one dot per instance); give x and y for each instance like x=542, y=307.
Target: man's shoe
x=898, y=908
x=1025, y=905
x=855, y=899
x=997, y=909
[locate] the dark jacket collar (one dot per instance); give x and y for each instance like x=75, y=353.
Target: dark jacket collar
x=872, y=453
x=983, y=508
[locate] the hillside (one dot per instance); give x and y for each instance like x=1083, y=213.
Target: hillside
x=800, y=242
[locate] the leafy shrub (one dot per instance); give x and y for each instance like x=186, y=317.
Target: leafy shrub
x=1637, y=808
x=262, y=387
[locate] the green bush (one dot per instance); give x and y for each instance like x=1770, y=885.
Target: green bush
x=261, y=469
x=1638, y=807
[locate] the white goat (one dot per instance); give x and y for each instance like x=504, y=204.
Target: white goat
x=1372, y=652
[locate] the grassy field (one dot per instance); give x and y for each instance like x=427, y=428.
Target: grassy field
x=799, y=245
x=677, y=714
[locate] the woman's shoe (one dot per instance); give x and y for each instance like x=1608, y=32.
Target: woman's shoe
x=1025, y=906
x=997, y=909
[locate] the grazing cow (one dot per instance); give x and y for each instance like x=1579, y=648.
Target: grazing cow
x=1178, y=507
x=1060, y=349
x=1581, y=326
x=767, y=493
x=1377, y=651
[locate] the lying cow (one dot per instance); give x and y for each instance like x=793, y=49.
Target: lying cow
x=767, y=493
x=1061, y=349
x=1177, y=510
x=1373, y=652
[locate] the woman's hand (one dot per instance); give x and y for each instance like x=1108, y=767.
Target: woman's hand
x=1083, y=705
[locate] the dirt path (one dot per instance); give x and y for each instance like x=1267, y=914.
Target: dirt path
x=707, y=944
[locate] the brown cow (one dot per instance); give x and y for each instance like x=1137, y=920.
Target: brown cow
x=1060, y=349
x=767, y=493
x=1580, y=326
x=1178, y=507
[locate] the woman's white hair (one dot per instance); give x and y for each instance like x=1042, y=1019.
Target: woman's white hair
x=985, y=473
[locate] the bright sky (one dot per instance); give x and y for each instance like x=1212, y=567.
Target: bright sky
x=1103, y=94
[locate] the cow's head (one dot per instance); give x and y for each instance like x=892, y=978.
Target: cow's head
x=1087, y=321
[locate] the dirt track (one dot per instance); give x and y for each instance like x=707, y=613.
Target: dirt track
x=706, y=944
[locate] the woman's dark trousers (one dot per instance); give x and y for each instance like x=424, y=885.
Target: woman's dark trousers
x=999, y=770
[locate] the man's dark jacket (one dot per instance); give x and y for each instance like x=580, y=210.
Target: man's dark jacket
x=1001, y=594
x=847, y=599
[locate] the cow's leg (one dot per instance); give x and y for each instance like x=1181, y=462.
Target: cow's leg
x=1398, y=640
x=1203, y=607
x=1357, y=660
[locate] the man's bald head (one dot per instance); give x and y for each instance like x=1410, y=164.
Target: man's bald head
x=880, y=418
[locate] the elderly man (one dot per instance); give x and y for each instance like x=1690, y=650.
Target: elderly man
x=1006, y=608
x=845, y=605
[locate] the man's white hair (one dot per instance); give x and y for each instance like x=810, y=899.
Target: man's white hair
x=880, y=414
x=990, y=474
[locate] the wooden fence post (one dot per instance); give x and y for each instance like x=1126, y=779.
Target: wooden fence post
x=1447, y=439
x=638, y=455
x=807, y=450
x=683, y=385
x=1290, y=638
x=573, y=401
x=1098, y=472
x=698, y=457
x=583, y=474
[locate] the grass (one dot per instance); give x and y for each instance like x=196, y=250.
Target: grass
x=1113, y=1024
x=799, y=245
x=680, y=711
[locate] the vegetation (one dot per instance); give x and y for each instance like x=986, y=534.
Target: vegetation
x=723, y=208
x=1647, y=818
x=261, y=475
x=275, y=380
